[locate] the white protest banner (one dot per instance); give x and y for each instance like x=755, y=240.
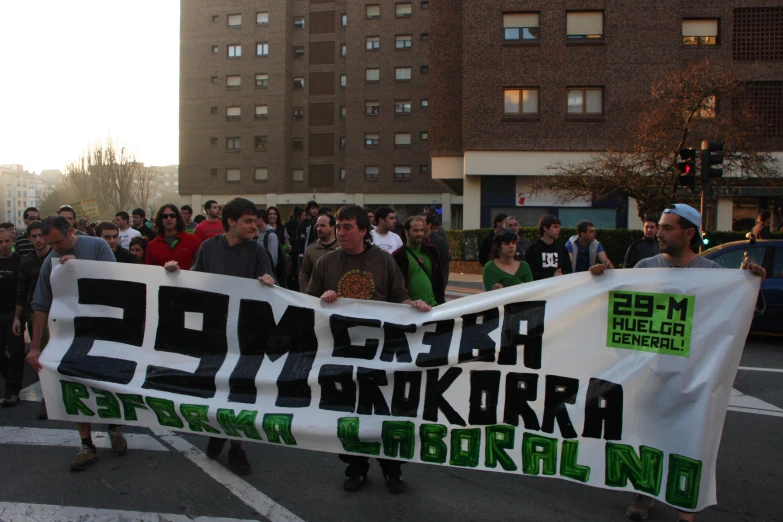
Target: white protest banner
x=619, y=381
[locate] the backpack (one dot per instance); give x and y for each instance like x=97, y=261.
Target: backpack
x=282, y=268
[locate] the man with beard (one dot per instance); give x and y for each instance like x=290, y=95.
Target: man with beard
x=645, y=247
x=211, y=226
x=435, y=240
x=172, y=243
x=326, y=243
x=361, y=270
x=22, y=244
x=420, y=265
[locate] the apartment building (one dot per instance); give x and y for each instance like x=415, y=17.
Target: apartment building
x=519, y=85
x=282, y=102
x=21, y=189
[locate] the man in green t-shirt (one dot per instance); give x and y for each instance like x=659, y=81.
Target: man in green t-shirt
x=420, y=265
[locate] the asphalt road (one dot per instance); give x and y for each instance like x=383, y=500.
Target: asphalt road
x=166, y=477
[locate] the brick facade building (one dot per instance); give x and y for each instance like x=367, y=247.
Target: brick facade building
x=284, y=101
x=520, y=84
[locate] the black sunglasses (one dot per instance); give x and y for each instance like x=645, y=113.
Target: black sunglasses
x=172, y=216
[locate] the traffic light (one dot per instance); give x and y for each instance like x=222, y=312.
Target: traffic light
x=704, y=238
x=687, y=167
x=711, y=156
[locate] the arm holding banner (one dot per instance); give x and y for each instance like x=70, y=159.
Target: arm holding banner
x=39, y=324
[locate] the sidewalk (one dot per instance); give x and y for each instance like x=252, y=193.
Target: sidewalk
x=461, y=285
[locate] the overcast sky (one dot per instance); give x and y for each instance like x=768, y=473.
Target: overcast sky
x=74, y=72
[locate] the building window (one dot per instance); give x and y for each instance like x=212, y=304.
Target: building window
x=424, y=102
x=234, y=51
x=372, y=43
x=213, y=172
x=371, y=173
x=425, y=69
x=342, y=174
x=371, y=140
x=262, y=49
x=234, y=20
x=262, y=80
x=343, y=50
x=518, y=102
x=298, y=53
x=402, y=173
x=372, y=75
x=260, y=143
x=373, y=11
x=298, y=83
x=585, y=25
x=299, y=22
x=343, y=80
x=700, y=32
x=758, y=33
x=403, y=10
x=342, y=112
x=213, y=141
x=297, y=175
x=765, y=99
x=213, y=110
x=520, y=27
x=233, y=82
x=298, y=113
x=585, y=102
x=262, y=18
x=233, y=174
x=298, y=144
x=262, y=112
x=344, y=20
x=215, y=18
x=424, y=168
x=424, y=136
x=372, y=108
x=425, y=4
x=402, y=107
x=707, y=109
x=403, y=41
x=425, y=37
x=402, y=74
x=262, y=174
x=402, y=139
x=233, y=113
x=233, y=143
x=214, y=79
x=215, y=49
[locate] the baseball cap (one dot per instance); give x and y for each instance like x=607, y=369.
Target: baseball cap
x=688, y=213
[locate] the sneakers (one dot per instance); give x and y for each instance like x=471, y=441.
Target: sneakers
x=214, y=447
x=237, y=461
x=355, y=482
x=394, y=483
x=42, y=414
x=639, y=506
x=84, y=458
x=119, y=446
x=10, y=399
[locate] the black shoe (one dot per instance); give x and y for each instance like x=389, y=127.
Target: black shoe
x=237, y=462
x=355, y=483
x=214, y=447
x=42, y=413
x=10, y=399
x=394, y=484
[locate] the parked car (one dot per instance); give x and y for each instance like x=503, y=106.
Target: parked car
x=768, y=254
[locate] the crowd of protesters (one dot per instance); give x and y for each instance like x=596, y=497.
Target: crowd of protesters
x=355, y=253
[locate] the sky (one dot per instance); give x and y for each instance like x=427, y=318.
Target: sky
x=72, y=73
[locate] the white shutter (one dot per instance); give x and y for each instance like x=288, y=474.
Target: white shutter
x=235, y=19
x=520, y=20
x=233, y=111
x=262, y=174
x=373, y=10
x=700, y=28
x=233, y=81
x=402, y=138
x=584, y=23
x=404, y=9
x=233, y=174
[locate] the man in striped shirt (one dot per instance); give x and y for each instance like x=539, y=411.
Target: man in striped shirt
x=22, y=244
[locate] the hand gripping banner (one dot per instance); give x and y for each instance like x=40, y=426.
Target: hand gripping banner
x=619, y=381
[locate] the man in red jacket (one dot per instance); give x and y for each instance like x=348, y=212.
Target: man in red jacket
x=172, y=242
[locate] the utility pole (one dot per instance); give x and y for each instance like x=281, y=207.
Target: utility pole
x=705, y=146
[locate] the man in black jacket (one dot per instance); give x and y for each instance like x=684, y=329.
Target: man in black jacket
x=486, y=245
x=110, y=233
x=547, y=257
x=420, y=265
x=644, y=247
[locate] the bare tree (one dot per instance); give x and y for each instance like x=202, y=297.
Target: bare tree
x=681, y=111
x=108, y=172
x=145, y=187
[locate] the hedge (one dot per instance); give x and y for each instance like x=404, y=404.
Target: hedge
x=464, y=244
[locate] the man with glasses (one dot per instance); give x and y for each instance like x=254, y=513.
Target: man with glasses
x=172, y=242
x=22, y=244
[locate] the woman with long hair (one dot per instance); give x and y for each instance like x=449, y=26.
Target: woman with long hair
x=504, y=270
x=276, y=223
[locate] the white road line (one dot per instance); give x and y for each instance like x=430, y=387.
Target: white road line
x=747, y=404
x=754, y=369
x=32, y=393
x=241, y=489
x=19, y=512
x=70, y=438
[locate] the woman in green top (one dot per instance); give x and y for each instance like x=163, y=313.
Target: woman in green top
x=504, y=270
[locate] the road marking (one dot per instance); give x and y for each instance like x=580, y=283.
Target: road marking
x=70, y=438
x=747, y=404
x=44, y=513
x=264, y=505
x=32, y=393
x=754, y=369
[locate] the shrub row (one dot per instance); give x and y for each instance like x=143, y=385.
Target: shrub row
x=464, y=244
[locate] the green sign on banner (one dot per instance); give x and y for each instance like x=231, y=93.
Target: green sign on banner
x=658, y=323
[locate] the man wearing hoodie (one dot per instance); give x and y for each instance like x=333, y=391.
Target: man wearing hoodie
x=584, y=250
x=327, y=242
x=234, y=254
x=361, y=270
x=645, y=247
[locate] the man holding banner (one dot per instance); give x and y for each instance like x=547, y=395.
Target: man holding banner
x=679, y=239
x=361, y=270
x=66, y=245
